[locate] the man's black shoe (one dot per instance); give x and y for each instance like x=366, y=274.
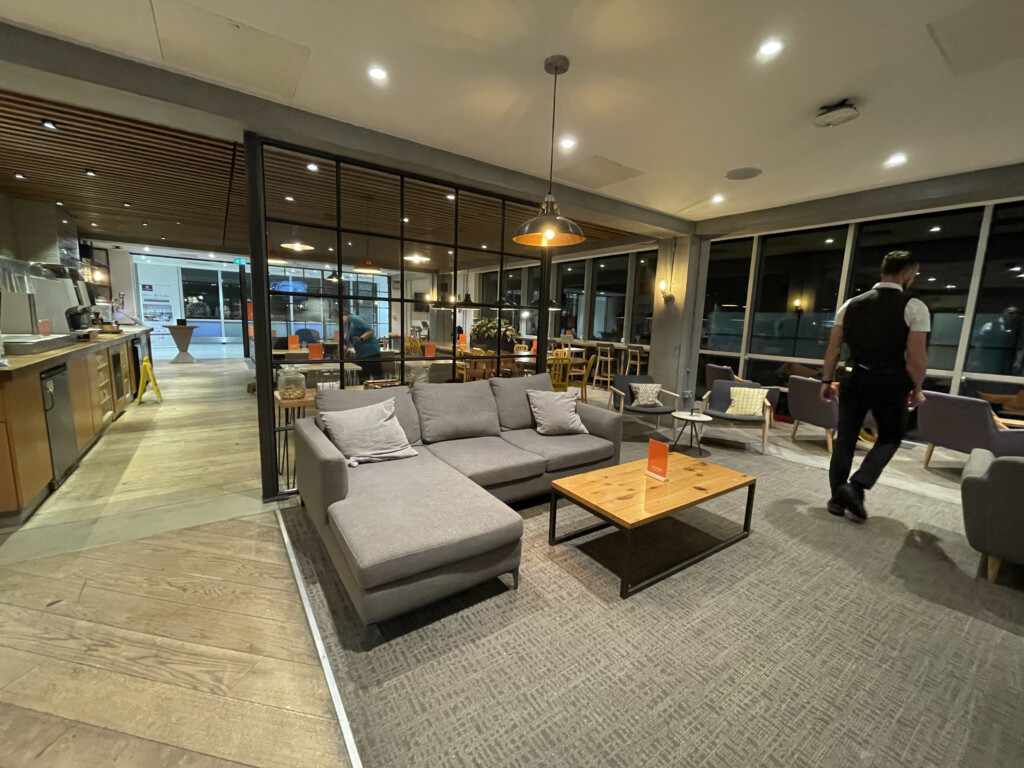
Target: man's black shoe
x=836, y=507
x=852, y=499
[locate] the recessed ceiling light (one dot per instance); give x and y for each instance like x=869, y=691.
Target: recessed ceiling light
x=59, y=203
x=450, y=196
x=63, y=221
x=177, y=222
x=146, y=249
x=568, y=269
x=567, y=143
x=49, y=125
x=312, y=167
x=289, y=199
x=643, y=261
x=19, y=176
x=127, y=205
x=451, y=253
x=330, y=250
x=769, y=48
x=601, y=266
x=90, y=172
x=93, y=224
x=484, y=246
x=829, y=241
x=717, y=198
x=405, y=220
x=417, y=258
x=378, y=73
x=895, y=159
x=1015, y=269
x=1020, y=277
x=349, y=243
x=951, y=286
x=145, y=223
x=210, y=255
x=162, y=237
x=936, y=228
x=931, y=279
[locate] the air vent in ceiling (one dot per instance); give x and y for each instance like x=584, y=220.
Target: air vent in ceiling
x=595, y=172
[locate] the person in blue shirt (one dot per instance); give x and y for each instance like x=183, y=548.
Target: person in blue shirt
x=360, y=338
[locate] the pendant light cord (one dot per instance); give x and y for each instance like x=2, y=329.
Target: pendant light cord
x=551, y=162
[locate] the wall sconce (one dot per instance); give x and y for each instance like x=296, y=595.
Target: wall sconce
x=666, y=291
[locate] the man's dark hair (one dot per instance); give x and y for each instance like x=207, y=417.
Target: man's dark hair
x=896, y=261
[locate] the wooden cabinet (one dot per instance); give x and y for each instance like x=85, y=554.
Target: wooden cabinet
x=27, y=436
x=81, y=400
x=8, y=489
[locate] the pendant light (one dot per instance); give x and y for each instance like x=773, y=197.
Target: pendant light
x=549, y=229
x=296, y=243
x=367, y=267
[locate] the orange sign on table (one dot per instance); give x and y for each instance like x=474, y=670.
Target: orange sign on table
x=462, y=338
x=316, y=351
x=293, y=342
x=657, y=460
x=430, y=349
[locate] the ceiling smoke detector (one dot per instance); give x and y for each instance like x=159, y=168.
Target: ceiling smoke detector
x=832, y=115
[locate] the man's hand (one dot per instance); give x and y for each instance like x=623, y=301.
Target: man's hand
x=914, y=398
x=827, y=393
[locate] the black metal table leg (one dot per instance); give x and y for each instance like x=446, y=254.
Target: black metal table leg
x=750, y=507
x=553, y=539
x=627, y=559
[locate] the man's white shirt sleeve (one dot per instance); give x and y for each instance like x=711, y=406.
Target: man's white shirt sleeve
x=917, y=317
x=841, y=313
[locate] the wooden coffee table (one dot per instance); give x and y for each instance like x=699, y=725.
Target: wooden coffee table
x=626, y=498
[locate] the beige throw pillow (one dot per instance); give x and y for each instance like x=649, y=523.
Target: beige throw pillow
x=746, y=401
x=555, y=412
x=646, y=395
x=368, y=434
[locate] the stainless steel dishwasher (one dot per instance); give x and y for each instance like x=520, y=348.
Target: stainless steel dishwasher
x=60, y=422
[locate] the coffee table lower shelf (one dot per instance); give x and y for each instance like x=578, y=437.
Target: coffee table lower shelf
x=627, y=588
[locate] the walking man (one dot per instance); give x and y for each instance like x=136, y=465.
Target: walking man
x=887, y=333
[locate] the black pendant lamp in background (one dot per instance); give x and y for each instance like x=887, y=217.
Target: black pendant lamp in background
x=548, y=229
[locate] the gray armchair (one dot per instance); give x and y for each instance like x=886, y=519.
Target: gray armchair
x=622, y=397
x=806, y=406
x=717, y=399
x=963, y=424
x=713, y=373
x=991, y=490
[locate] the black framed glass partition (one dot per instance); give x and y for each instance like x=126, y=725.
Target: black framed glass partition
x=725, y=302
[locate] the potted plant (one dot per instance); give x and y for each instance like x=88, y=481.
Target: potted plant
x=487, y=331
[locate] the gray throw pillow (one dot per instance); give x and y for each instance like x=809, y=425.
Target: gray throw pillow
x=646, y=395
x=371, y=433
x=555, y=413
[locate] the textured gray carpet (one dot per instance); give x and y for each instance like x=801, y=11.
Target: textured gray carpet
x=815, y=642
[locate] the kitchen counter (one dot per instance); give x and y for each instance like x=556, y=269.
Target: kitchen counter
x=101, y=378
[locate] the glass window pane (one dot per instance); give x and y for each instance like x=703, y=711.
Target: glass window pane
x=371, y=201
x=479, y=221
x=369, y=258
x=797, y=295
x=429, y=212
x=611, y=274
x=516, y=214
x=997, y=338
x=231, y=288
x=945, y=243
x=1005, y=397
x=643, y=297
x=297, y=192
x=477, y=281
x=725, y=301
x=570, y=284
x=201, y=295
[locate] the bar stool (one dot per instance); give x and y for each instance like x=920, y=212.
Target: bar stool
x=635, y=355
x=606, y=367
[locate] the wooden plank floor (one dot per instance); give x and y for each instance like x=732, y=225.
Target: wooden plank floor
x=184, y=647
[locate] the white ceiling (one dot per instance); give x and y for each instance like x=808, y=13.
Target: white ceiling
x=670, y=88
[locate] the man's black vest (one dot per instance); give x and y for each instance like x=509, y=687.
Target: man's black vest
x=875, y=329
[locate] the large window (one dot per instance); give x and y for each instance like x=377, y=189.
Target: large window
x=726, y=300
x=611, y=275
x=797, y=293
x=201, y=294
x=570, y=284
x=643, y=296
x=997, y=337
x=945, y=243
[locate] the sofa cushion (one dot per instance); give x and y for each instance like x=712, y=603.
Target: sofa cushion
x=454, y=411
x=510, y=396
x=561, y=451
x=488, y=460
x=403, y=518
x=555, y=413
x=346, y=399
x=370, y=433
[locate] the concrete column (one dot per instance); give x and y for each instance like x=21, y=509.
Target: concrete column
x=674, y=328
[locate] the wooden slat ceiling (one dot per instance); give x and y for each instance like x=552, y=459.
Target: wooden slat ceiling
x=188, y=191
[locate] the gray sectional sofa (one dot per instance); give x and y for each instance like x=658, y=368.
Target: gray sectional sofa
x=405, y=533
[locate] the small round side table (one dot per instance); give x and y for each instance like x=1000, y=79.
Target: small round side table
x=696, y=422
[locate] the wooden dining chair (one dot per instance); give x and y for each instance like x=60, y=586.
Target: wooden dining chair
x=581, y=378
x=520, y=348
x=558, y=367
x=563, y=352
x=606, y=367
x=634, y=359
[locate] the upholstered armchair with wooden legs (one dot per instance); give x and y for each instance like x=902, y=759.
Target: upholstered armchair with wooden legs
x=622, y=398
x=579, y=377
x=991, y=490
x=717, y=399
x=807, y=407
x=963, y=424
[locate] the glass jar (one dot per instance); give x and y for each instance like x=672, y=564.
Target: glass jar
x=291, y=385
